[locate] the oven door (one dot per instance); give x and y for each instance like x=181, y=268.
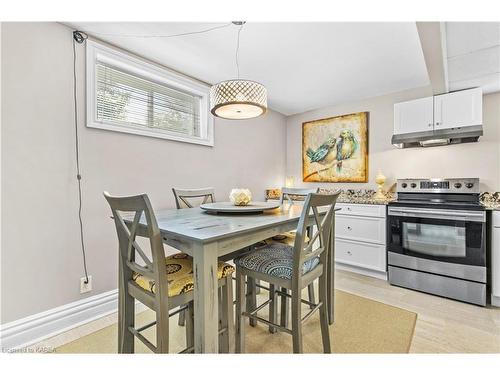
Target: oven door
x=444, y=235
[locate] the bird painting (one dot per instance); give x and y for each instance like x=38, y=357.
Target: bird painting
x=334, y=149
x=342, y=154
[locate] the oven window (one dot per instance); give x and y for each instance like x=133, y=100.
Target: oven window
x=434, y=240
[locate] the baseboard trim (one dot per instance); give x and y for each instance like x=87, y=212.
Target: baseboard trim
x=363, y=271
x=35, y=328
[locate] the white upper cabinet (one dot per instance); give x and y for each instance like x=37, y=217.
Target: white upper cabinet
x=457, y=109
x=453, y=110
x=413, y=116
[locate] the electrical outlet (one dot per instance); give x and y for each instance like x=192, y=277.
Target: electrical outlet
x=85, y=287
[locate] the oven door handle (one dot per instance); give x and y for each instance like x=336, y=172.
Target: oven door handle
x=445, y=214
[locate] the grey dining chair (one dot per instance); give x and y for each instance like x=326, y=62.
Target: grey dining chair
x=190, y=198
x=163, y=284
x=293, y=269
x=186, y=198
x=292, y=196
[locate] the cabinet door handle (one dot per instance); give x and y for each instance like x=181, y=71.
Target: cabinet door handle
x=430, y=125
x=348, y=208
x=348, y=252
x=438, y=123
x=349, y=228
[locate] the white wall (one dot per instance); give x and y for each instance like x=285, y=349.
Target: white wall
x=479, y=159
x=41, y=258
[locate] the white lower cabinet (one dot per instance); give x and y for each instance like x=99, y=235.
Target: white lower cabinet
x=360, y=238
x=360, y=228
x=360, y=254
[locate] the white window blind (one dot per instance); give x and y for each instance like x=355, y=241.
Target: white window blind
x=132, y=96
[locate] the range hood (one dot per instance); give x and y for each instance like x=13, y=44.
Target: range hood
x=439, y=137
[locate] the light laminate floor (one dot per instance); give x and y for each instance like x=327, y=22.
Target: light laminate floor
x=443, y=325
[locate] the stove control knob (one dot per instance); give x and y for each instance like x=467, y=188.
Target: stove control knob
x=458, y=185
x=413, y=185
x=404, y=185
x=469, y=185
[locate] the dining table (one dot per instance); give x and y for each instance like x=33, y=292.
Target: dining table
x=207, y=237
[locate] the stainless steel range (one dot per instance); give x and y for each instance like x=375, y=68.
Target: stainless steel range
x=437, y=238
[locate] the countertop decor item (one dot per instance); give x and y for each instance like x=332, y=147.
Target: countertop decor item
x=380, y=181
x=238, y=99
x=273, y=194
x=335, y=149
x=240, y=197
x=229, y=207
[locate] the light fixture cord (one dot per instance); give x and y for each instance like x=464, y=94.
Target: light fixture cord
x=238, y=51
x=78, y=37
x=162, y=36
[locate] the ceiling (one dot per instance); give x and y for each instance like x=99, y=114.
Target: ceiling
x=303, y=65
x=473, y=55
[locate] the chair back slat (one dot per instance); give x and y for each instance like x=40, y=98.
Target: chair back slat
x=145, y=271
x=133, y=246
x=318, y=211
x=186, y=198
x=154, y=267
x=295, y=194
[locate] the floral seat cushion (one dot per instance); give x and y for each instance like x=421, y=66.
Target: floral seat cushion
x=179, y=275
x=275, y=259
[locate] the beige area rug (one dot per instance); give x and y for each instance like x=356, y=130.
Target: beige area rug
x=361, y=326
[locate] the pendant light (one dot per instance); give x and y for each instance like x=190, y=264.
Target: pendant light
x=238, y=99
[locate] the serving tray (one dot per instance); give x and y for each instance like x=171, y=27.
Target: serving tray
x=228, y=207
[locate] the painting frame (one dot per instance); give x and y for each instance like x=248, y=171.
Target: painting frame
x=353, y=166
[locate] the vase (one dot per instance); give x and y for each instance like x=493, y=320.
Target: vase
x=380, y=181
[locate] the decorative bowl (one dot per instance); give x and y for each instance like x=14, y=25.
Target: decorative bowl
x=240, y=197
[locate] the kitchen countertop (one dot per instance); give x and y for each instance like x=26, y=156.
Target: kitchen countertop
x=489, y=200
x=346, y=196
x=362, y=196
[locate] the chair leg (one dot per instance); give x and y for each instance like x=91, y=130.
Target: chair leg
x=240, y=308
x=273, y=308
x=284, y=309
x=162, y=328
x=226, y=317
x=257, y=288
x=296, y=322
x=323, y=313
x=222, y=321
x=229, y=309
x=251, y=298
x=182, y=318
x=189, y=319
x=310, y=291
x=126, y=316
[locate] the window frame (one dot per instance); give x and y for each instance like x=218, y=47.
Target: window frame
x=97, y=52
